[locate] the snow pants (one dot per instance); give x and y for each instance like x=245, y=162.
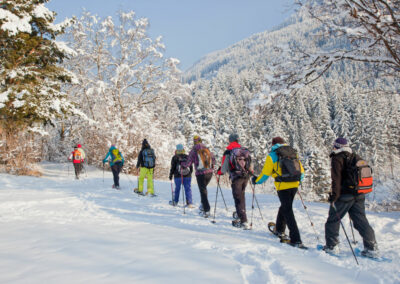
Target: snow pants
x=286, y=215
x=355, y=206
x=146, y=173
x=238, y=192
x=78, y=168
x=116, y=169
x=202, y=182
x=188, y=191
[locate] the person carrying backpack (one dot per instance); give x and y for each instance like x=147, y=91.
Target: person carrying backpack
x=283, y=165
x=346, y=197
x=181, y=176
x=146, y=162
x=237, y=161
x=116, y=161
x=204, y=162
x=77, y=157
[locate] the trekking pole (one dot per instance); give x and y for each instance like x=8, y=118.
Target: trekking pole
x=258, y=205
x=341, y=223
x=352, y=231
x=103, y=173
x=68, y=169
x=309, y=218
x=252, y=208
x=172, y=193
x=215, y=206
x=223, y=198
x=183, y=194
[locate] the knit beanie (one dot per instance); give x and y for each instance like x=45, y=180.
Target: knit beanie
x=233, y=138
x=340, y=143
x=278, y=140
x=196, y=139
x=179, y=147
x=145, y=143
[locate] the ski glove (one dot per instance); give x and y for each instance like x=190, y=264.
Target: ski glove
x=253, y=179
x=332, y=198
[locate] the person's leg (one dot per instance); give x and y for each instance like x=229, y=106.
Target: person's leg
x=202, y=182
x=76, y=168
x=150, y=184
x=178, y=184
x=188, y=191
x=286, y=197
x=332, y=224
x=238, y=197
x=142, y=174
x=361, y=224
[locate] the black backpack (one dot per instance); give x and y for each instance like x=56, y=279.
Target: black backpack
x=149, y=158
x=183, y=171
x=288, y=160
x=358, y=174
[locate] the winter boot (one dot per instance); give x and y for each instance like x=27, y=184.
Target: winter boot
x=372, y=253
x=331, y=249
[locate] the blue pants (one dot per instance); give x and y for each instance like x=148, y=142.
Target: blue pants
x=187, y=185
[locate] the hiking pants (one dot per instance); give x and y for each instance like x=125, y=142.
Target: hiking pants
x=187, y=185
x=202, y=182
x=146, y=173
x=286, y=215
x=355, y=206
x=78, y=169
x=238, y=192
x=116, y=169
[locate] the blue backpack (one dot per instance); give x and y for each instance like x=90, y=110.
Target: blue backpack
x=149, y=158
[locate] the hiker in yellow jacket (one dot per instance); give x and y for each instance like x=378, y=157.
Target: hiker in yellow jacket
x=286, y=191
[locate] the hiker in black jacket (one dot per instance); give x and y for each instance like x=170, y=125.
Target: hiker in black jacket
x=181, y=176
x=344, y=200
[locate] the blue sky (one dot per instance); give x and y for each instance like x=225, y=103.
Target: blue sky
x=190, y=28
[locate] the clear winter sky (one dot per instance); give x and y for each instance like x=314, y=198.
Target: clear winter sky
x=190, y=28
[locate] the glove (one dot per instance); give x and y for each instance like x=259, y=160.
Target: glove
x=332, y=198
x=170, y=177
x=104, y=161
x=253, y=179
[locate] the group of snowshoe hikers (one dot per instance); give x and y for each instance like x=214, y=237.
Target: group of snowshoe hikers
x=351, y=180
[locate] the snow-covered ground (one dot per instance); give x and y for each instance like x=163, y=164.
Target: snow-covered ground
x=55, y=229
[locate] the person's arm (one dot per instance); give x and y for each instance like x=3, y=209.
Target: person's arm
x=266, y=171
x=105, y=159
x=173, y=167
x=337, y=164
x=139, y=159
x=225, y=163
x=122, y=158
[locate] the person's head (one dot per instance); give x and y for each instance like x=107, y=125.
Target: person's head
x=75, y=147
x=79, y=146
x=340, y=143
x=180, y=149
x=196, y=139
x=233, y=138
x=145, y=143
x=277, y=140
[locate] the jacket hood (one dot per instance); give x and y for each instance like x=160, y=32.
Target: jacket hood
x=276, y=146
x=233, y=145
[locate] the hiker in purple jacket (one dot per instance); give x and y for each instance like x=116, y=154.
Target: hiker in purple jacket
x=204, y=162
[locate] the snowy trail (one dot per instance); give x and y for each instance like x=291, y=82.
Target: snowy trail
x=59, y=230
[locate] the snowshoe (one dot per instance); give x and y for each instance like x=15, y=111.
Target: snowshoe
x=173, y=203
x=190, y=206
x=204, y=214
x=282, y=236
x=151, y=194
x=298, y=245
x=238, y=224
x=138, y=192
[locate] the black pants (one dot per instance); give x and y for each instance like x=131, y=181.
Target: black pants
x=202, y=182
x=116, y=169
x=78, y=169
x=286, y=215
x=238, y=192
x=355, y=206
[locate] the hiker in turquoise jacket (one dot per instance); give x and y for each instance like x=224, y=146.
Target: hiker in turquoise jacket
x=116, y=161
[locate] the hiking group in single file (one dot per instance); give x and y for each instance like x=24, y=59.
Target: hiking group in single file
x=351, y=180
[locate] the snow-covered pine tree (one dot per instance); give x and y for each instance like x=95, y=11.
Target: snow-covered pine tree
x=31, y=77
